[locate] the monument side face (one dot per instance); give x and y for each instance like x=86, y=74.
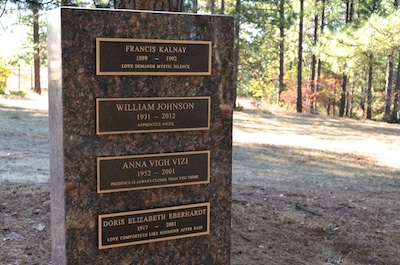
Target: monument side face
x=57, y=185
x=141, y=137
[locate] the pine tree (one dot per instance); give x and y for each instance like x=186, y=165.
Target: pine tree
x=299, y=105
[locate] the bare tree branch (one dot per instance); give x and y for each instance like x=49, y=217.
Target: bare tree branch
x=3, y=7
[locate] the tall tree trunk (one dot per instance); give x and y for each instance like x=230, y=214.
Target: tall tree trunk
x=363, y=98
x=312, y=81
x=328, y=107
x=343, y=95
x=212, y=6
x=334, y=97
x=299, y=105
x=157, y=5
x=396, y=92
x=343, y=98
x=36, y=48
x=369, y=89
x=349, y=11
x=350, y=99
x=388, y=88
x=222, y=6
x=396, y=102
x=319, y=64
x=236, y=51
x=281, y=85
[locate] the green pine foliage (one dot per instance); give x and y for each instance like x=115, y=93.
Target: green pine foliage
x=341, y=38
x=352, y=37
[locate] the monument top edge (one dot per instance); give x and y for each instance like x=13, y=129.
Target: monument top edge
x=139, y=11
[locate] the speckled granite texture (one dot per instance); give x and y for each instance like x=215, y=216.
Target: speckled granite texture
x=73, y=89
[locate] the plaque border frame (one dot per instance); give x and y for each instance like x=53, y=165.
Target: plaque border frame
x=207, y=181
x=157, y=210
x=98, y=57
x=98, y=132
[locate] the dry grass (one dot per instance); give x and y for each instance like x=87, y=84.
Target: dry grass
x=306, y=189
x=315, y=190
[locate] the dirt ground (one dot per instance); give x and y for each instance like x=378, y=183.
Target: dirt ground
x=307, y=189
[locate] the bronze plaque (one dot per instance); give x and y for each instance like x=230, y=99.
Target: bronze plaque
x=116, y=56
x=124, y=173
x=140, y=227
x=136, y=115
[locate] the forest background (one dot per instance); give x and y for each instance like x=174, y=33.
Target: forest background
x=338, y=57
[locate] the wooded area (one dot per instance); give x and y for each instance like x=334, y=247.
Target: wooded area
x=338, y=57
